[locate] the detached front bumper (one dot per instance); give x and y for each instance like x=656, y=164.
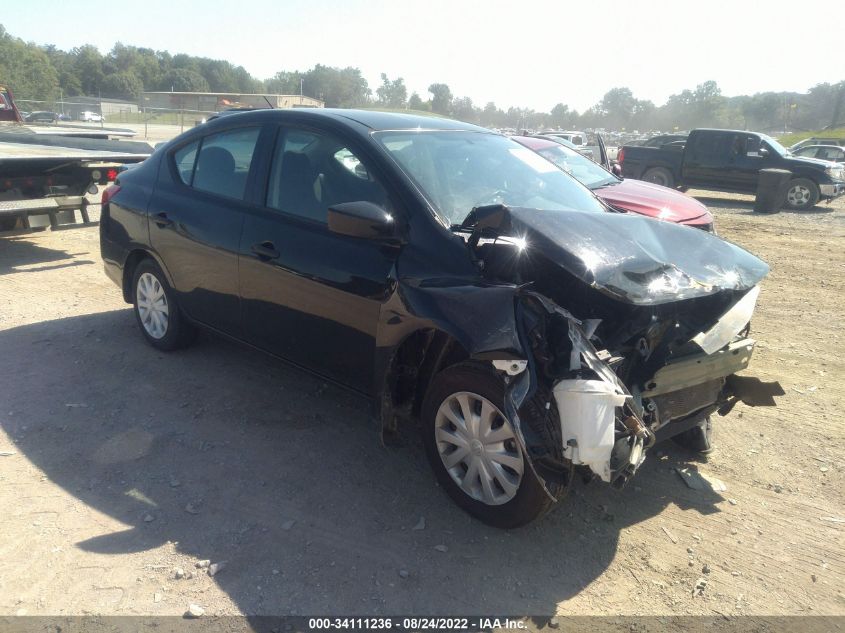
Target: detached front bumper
x=833, y=190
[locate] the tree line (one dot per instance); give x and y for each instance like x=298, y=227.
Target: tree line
x=45, y=73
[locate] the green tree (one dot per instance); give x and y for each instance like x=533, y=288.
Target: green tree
x=561, y=116
x=441, y=98
x=464, y=110
x=122, y=85
x=284, y=83
x=183, y=80
x=63, y=62
x=27, y=69
x=707, y=100
x=642, y=116
x=337, y=87
x=761, y=112
x=491, y=116
x=415, y=103
x=617, y=107
x=88, y=67
x=392, y=94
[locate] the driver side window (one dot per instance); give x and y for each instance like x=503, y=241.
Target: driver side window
x=312, y=171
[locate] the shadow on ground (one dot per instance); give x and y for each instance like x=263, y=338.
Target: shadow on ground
x=17, y=250
x=253, y=445
x=746, y=206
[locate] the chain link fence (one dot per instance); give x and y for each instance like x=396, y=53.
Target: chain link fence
x=108, y=112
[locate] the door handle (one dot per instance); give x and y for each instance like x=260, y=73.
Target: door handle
x=162, y=220
x=265, y=250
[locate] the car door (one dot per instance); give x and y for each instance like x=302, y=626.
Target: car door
x=703, y=157
x=307, y=294
x=747, y=160
x=196, y=216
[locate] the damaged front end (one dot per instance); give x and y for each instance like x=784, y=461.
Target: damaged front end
x=632, y=331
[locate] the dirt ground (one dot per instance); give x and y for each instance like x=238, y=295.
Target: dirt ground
x=122, y=468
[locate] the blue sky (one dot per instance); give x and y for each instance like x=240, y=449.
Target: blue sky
x=528, y=53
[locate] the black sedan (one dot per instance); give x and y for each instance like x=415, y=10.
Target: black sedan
x=42, y=117
x=451, y=275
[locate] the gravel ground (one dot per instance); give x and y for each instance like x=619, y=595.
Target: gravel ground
x=122, y=469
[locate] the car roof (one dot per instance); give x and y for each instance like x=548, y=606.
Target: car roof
x=373, y=119
x=377, y=120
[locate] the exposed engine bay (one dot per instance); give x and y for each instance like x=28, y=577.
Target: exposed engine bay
x=627, y=349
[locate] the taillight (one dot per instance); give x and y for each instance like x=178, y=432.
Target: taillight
x=620, y=156
x=109, y=193
x=111, y=174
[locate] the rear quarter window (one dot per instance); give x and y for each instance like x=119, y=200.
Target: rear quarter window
x=184, y=159
x=218, y=163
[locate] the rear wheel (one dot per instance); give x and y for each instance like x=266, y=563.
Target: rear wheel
x=7, y=224
x=659, y=176
x=802, y=194
x=474, y=451
x=156, y=311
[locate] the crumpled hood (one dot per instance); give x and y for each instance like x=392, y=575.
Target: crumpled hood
x=654, y=201
x=636, y=259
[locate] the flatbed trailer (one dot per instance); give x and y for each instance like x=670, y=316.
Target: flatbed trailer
x=47, y=170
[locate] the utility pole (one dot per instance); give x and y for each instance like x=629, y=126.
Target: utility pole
x=837, y=108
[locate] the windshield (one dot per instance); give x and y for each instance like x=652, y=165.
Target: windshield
x=573, y=162
x=777, y=147
x=458, y=171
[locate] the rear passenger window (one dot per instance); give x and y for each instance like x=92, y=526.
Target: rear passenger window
x=223, y=164
x=184, y=158
x=710, y=146
x=313, y=171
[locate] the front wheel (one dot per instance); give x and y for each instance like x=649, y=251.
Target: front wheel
x=474, y=451
x=161, y=322
x=802, y=194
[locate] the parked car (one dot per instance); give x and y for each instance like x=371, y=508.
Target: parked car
x=731, y=160
x=584, y=150
x=578, y=139
x=41, y=117
x=91, y=117
x=449, y=274
x=822, y=152
x=633, y=196
x=817, y=140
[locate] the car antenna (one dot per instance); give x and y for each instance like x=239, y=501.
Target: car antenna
x=268, y=102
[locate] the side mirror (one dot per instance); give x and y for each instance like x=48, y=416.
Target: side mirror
x=365, y=220
x=763, y=152
x=616, y=169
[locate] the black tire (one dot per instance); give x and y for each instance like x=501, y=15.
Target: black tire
x=178, y=333
x=802, y=194
x=530, y=501
x=659, y=176
x=7, y=224
x=698, y=439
